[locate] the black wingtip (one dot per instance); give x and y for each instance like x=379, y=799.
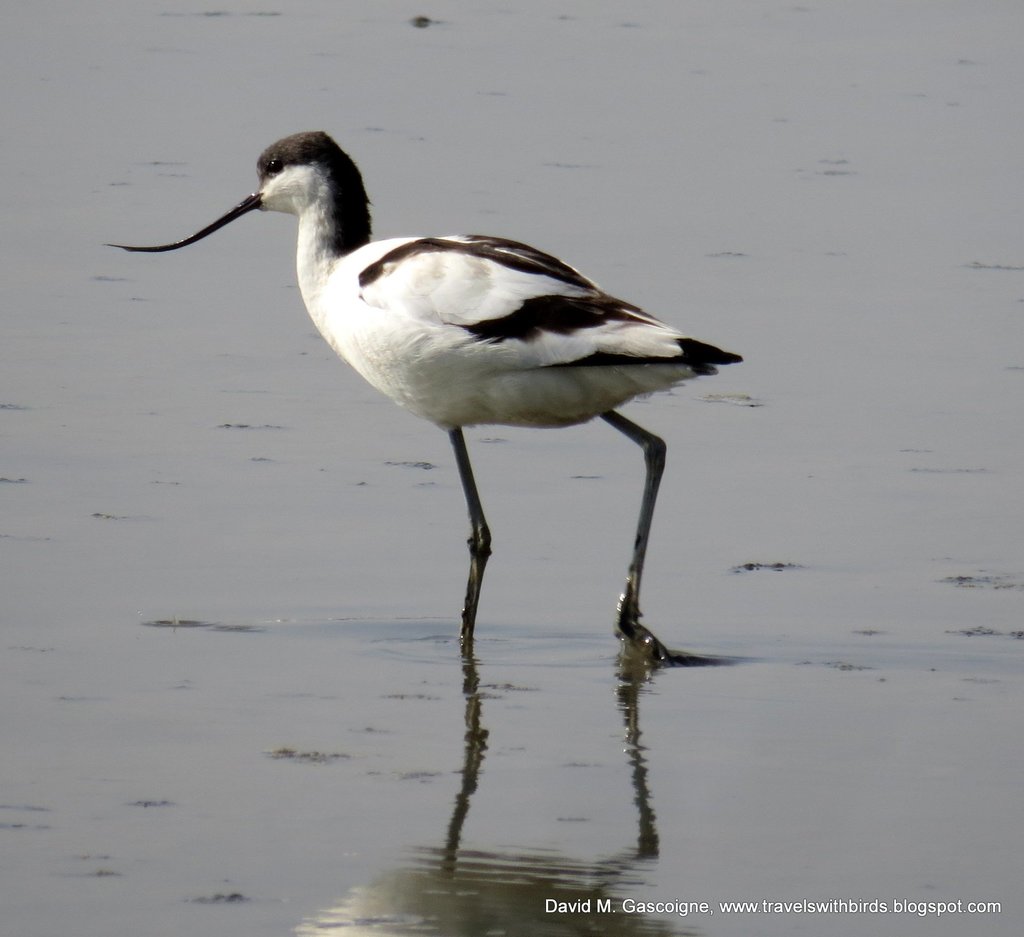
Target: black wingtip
x=696, y=352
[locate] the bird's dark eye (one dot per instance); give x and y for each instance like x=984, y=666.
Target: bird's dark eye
x=274, y=166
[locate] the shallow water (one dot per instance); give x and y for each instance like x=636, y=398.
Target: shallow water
x=231, y=573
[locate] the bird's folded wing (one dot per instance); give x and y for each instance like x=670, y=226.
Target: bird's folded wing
x=503, y=292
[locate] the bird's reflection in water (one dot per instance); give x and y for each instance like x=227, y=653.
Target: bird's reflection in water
x=449, y=891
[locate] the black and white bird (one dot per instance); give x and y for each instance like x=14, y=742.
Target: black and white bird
x=465, y=330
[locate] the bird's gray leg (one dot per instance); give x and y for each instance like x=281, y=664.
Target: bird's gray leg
x=479, y=538
x=629, y=626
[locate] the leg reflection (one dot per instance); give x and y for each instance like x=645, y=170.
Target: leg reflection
x=452, y=891
x=629, y=702
x=473, y=757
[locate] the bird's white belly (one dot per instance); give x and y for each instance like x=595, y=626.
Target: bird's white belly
x=453, y=380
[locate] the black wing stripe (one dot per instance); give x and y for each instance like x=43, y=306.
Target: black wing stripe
x=511, y=254
x=378, y=268
x=522, y=257
x=561, y=315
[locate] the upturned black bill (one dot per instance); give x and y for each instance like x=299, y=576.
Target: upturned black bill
x=248, y=204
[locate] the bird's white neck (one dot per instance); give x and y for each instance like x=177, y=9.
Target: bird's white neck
x=316, y=253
